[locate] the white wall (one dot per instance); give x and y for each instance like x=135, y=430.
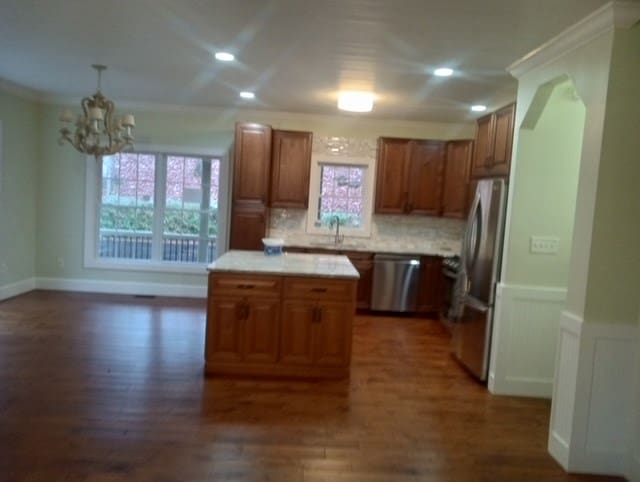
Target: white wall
x=18, y=170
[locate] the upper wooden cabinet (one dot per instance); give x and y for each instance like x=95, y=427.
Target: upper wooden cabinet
x=251, y=175
x=409, y=176
x=456, y=178
x=252, y=163
x=291, y=162
x=494, y=139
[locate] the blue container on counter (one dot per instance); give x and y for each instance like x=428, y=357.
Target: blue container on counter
x=272, y=246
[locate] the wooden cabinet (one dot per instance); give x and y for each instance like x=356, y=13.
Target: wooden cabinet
x=494, y=139
x=316, y=333
x=429, y=294
x=248, y=227
x=456, y=178
x=425, y=177
x=363, y=262
x=242, y=327
x=503, y=140
x=250, y=197
x=391, y=177
x=279, y=325
x=290, y=165
x=409, y=176
x=252, y=163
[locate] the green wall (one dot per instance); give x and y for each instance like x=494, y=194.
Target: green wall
x=62, y=171
x=544, y=189
x=614, y=264
x=19, y=156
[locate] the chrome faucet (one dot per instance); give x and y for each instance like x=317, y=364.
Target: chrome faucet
x=338, y=237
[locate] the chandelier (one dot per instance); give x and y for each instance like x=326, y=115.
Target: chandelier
x=97, y=130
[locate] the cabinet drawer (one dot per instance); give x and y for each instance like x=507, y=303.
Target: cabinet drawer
x=319, y=289
x=236, y=284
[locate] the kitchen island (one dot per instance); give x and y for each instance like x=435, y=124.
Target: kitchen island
x=288, y=315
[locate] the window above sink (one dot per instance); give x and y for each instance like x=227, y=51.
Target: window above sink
x=341, y=187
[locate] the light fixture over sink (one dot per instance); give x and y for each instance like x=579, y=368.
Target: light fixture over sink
x=97, y=130
x=356, y=101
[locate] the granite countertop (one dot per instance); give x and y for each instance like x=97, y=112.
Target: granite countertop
x=413, y=246
x=322, y=265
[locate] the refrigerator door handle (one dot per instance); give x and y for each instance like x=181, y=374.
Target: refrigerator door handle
x=476, y=304
x=473, y=235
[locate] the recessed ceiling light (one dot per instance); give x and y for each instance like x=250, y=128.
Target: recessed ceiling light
x=354, y=101
x=247, y=95
x=478, y=108
x=443, y=72
x=224, y=56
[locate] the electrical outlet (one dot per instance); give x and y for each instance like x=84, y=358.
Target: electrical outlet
x=60, y=262
x=544, y=245
x=4, y=268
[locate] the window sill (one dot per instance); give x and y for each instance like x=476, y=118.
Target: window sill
x=148, y=266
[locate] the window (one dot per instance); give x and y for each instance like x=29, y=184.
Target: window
x=342, y=188
x=154, y=210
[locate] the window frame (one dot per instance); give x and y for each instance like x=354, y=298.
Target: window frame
x=92, y=203
x=317, y=159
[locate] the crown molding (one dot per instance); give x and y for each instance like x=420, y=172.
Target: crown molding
x=615, y=14
x=20, y=90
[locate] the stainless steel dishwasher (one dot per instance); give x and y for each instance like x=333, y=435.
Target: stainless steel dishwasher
x=395, y=282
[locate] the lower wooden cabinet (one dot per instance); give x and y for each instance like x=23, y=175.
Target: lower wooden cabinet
x=292, y=326
x=242, y=329
x=363, y=262
x=430, y=288
x=316, y=333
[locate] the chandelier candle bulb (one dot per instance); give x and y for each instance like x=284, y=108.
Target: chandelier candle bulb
x=128, y=121
x=95, y=114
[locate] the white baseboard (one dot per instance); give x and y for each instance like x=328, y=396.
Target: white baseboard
x=122, y=287
x=524, y=340
x=592, y=412
x=15, y=289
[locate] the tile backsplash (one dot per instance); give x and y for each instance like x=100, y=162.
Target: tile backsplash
x=389, y=230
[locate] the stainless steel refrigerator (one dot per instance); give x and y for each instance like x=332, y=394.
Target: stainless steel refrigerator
x=480, y=269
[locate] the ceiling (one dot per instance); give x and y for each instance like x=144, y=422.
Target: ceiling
x=295, y=54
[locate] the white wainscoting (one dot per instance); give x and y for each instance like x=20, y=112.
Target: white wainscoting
x=593, y=408
x=633, y=465
x=15, y=289
x=564, y=390
x=122, y=287
x=524, y=340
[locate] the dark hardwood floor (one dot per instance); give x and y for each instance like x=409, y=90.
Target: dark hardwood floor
x=110, y=388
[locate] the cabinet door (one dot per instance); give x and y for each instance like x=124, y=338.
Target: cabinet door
x=483, y=154
x=456, y=179
x=248, y=227
x=503, y=126
x=332, y=336
x=392, y=172
x=260, y=332
x=223, y=340
x=425, y=177
x=429, y=295
x=296, y=332
x=251, y=170
x=291, y=162
x=363, y=262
